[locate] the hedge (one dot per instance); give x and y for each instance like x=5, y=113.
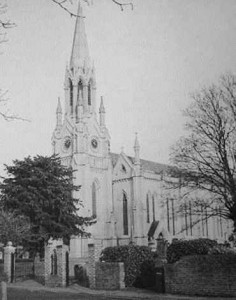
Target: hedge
x=133, y=257
x=181, y=248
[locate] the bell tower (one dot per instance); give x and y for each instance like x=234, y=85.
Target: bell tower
x=83, y=142
x=80, y=82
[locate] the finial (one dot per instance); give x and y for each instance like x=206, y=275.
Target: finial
x=136, y=142
x=59, y=110
x=102, y=108
x=136, y=150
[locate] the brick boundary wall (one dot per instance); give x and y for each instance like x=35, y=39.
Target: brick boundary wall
x=202, y=275
x=109, y=276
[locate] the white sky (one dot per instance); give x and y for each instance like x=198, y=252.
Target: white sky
x=147, y=63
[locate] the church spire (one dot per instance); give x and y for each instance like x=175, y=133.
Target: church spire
x=80, y=53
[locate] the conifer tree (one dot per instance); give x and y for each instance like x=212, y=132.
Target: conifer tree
x=42, y=190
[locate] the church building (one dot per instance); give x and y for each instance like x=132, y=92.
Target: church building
x=126, y=196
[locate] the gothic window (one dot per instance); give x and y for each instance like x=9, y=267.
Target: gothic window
x=54, y=263
x=171, y=216
x=186, y=217
x=168, y=214
x=147, y=205
x=89, y=93
x=71, y=94
x=153, y=208
x=80, y=89
x=190, y=218
x=125, y=215
x=94, y=200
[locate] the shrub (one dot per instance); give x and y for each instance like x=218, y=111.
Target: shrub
x=221, y=250
x=180, y=248
x=132, y=256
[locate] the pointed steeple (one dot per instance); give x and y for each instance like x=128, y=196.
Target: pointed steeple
x=80, y=52
x=59, y=114
x=136, y=150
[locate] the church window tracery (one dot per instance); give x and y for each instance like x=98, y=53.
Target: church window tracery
x=94, y=200
x=147, y=204
x=125, y=214
x=80, y=89
x=89, y=93
x=71, y=94
x=153, y=208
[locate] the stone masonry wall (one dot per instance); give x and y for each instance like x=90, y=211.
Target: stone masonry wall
x=202, y=275
x=109, y=276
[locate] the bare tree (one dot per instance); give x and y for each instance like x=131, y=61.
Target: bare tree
x=67, y=5
x=205, y=159
x=5, y=23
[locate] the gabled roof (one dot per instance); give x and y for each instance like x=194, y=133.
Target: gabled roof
x=146, y=165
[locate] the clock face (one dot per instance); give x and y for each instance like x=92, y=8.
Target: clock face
x=94, y=143
x=67, y=143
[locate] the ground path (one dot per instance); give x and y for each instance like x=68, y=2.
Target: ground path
x=31, y=290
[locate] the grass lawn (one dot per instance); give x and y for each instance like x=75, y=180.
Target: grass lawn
x=21, y=294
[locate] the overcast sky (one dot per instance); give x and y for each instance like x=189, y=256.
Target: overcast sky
x=148, y=60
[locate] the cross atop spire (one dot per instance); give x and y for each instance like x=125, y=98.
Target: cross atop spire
x=80, y=53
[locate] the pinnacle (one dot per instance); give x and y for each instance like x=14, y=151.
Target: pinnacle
x=80, y=53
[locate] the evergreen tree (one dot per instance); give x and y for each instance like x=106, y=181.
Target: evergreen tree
x=42, y=190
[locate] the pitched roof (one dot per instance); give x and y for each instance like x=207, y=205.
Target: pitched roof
x=146, y=165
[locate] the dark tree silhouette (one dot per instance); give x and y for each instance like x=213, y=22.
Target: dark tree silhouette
x=42, y=190
x=205, y=159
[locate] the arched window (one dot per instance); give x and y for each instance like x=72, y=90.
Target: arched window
x=54, y=263
x=71, y=95
x=89, y=93
x=125, y=215
x=153, y=208
x=80, y=89
x=94, y=200
x=147, y=206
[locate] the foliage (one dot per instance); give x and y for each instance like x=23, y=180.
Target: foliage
x=42, y=190
x=221, y=250
x=132, y=256
x=205, y=157
x=180, y=248
x=14, y=228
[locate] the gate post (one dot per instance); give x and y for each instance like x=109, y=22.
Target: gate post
x=9, y=261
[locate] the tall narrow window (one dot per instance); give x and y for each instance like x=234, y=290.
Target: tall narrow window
x=147, y=205
x=202, y=213
x=206, y=221
x=221, y=224
x=186, y=217
x=94, y=200
x=190, y=218
x=168, y=214
x=125, y=215
x=89, y=93
x=153, y=208
x=71, y=95
x=173, y=215
x=80, y=90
